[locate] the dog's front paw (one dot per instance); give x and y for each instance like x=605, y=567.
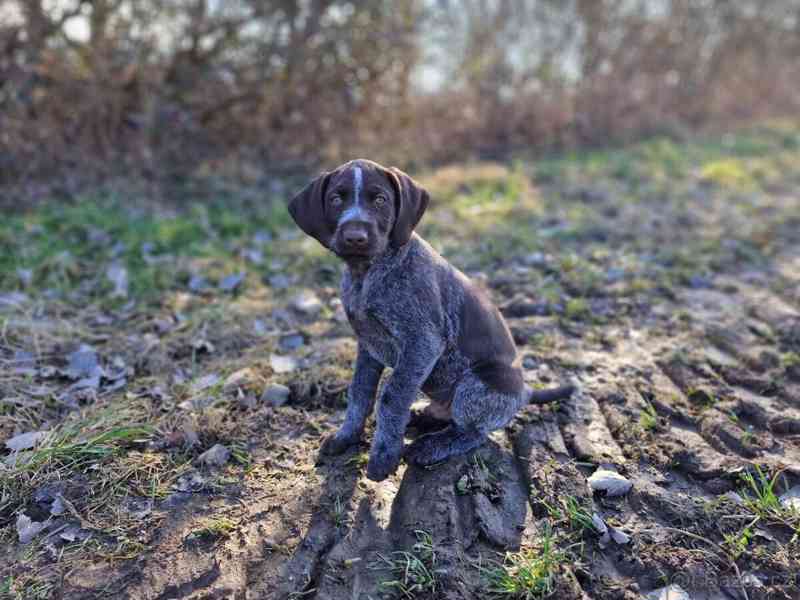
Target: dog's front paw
x=337, y=444
x=383, y=461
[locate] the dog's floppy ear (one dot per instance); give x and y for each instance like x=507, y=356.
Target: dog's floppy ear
x=412, y=200
x=308, y=211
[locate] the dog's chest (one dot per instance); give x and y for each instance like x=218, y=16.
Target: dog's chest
x=374, y=336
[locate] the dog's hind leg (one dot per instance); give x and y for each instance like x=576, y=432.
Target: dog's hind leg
x=440, y=445
x=478, y=409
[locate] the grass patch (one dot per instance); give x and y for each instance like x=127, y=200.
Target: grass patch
x=414, y=572
x=65, y=450
x=728, y=173
x=577, y=309
x=213, y=530
x=759, y=493
x=26, y=588
x=762, y=501
x=59, y=247
x=529, y=574
x=648, y=418
x=89, y=447
x=736, y=543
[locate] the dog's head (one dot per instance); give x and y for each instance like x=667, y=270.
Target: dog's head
x=360, y=209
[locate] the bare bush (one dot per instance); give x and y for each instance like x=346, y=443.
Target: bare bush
x=170, y=89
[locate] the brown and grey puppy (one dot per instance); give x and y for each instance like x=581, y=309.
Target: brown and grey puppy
x=414, y=312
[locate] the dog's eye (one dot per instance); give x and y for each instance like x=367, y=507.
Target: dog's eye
x=380, y=199
x=335, y=200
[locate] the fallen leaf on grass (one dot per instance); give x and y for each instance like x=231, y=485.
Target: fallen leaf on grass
x=254, y=255
x=27, y=528
x=205, y=382
x=83, y=363
x=118, y=275
x=24, y=363
x=232, y=282
x=198, y=283
x=216, y=456
x=74, y=533
x=25, y=441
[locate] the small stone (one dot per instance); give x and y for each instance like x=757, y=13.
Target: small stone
x=671, y=592
x=290, y=341
x=276, y=394
x=537, y=259
x=74, y=533
x=307, y=303
x=232, y=282
x=216, y=456
x=339, y=313
x=610, y=482
x=602, y=529
x=259, y=327
x=282, y=364
x=791, y=499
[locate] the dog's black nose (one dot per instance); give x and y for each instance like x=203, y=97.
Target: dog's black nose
x=355, y=237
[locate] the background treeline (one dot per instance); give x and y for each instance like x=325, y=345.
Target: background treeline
x=168, y=89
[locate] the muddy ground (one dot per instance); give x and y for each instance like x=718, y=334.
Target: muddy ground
x=176, y=369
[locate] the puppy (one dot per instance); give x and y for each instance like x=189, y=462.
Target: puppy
x=414, y=312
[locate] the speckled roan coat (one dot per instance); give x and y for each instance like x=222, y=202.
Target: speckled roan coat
x=412, y=311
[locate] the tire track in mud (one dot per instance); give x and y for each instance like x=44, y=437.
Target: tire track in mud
x=586, y=431
x=470, y=504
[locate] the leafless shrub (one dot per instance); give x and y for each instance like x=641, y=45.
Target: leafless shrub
x=168, y=90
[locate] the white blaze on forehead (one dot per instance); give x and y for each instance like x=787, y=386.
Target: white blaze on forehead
x=355, y=211
x=357, y=181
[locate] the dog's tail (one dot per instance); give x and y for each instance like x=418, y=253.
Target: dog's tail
x=550, y=395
